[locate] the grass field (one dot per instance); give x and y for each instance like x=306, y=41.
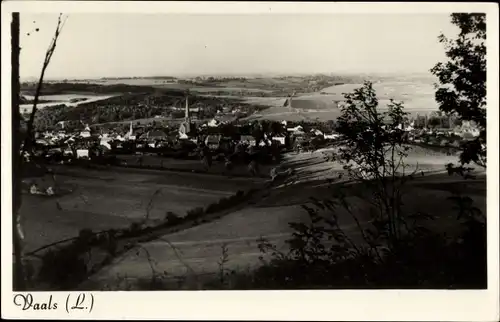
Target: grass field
x=323, y=108
x=197, y=250
x=115, y=198
x=218, y=167
x=417, y=96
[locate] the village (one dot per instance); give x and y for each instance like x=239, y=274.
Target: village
x=230, y=142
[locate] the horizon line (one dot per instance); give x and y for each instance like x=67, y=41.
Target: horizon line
x=240, y=74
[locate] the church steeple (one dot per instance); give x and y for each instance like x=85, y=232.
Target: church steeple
x=187, y=118
x=186, y=114
x=185, y=127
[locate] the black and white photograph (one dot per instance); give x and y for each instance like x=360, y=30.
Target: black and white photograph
x=247, y=151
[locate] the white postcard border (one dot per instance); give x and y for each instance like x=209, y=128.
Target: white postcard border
x=270, y=305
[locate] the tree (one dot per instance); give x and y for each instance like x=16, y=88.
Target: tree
x=257, y=133
x=18, y=233
x=462, y=89
x=277, y=128
x=434, y=121
x=373, y=152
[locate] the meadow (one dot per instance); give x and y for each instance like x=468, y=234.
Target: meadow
x=198, y=250
x=114, y=198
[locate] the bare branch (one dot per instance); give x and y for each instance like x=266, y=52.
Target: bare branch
x=48, y=56
x=176, y=252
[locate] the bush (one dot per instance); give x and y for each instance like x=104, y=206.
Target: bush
x=111, y=245
x=64, y=267
x=195, y=213
x=425, y=262
x=172, y=218
x=212, y=208
x=135, y=227
x=223, y=201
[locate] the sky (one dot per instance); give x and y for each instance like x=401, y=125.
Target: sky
x=95, y=45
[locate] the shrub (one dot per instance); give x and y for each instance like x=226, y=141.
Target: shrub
x=223, y=201
x=111, y=245
x=195, y=213
x=64, y=267
x=135, y=227
x=172, y=218
x=214, y=207
x=374, y=153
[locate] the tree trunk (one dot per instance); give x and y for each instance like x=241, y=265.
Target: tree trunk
x=17, y=233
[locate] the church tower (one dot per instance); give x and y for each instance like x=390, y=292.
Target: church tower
x=185, y=127
x=288, y=102
x=187, y=118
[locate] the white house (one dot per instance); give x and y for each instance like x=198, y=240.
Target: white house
x=280, y=139
x=296, y=129
x=332, y=136
x=82, y=153
x=105, y=142
x=42, y=142
x=85, y=133
x=316, y=132
x=213, y=123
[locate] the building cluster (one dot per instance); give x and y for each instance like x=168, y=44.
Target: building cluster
x=87, y=141
x=212, y=135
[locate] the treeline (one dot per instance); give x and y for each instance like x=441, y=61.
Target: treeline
x=138, y=77
x=64, y=88
x=130, y=107
x=437, y=121
x=245, y=93
x=212, y=79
